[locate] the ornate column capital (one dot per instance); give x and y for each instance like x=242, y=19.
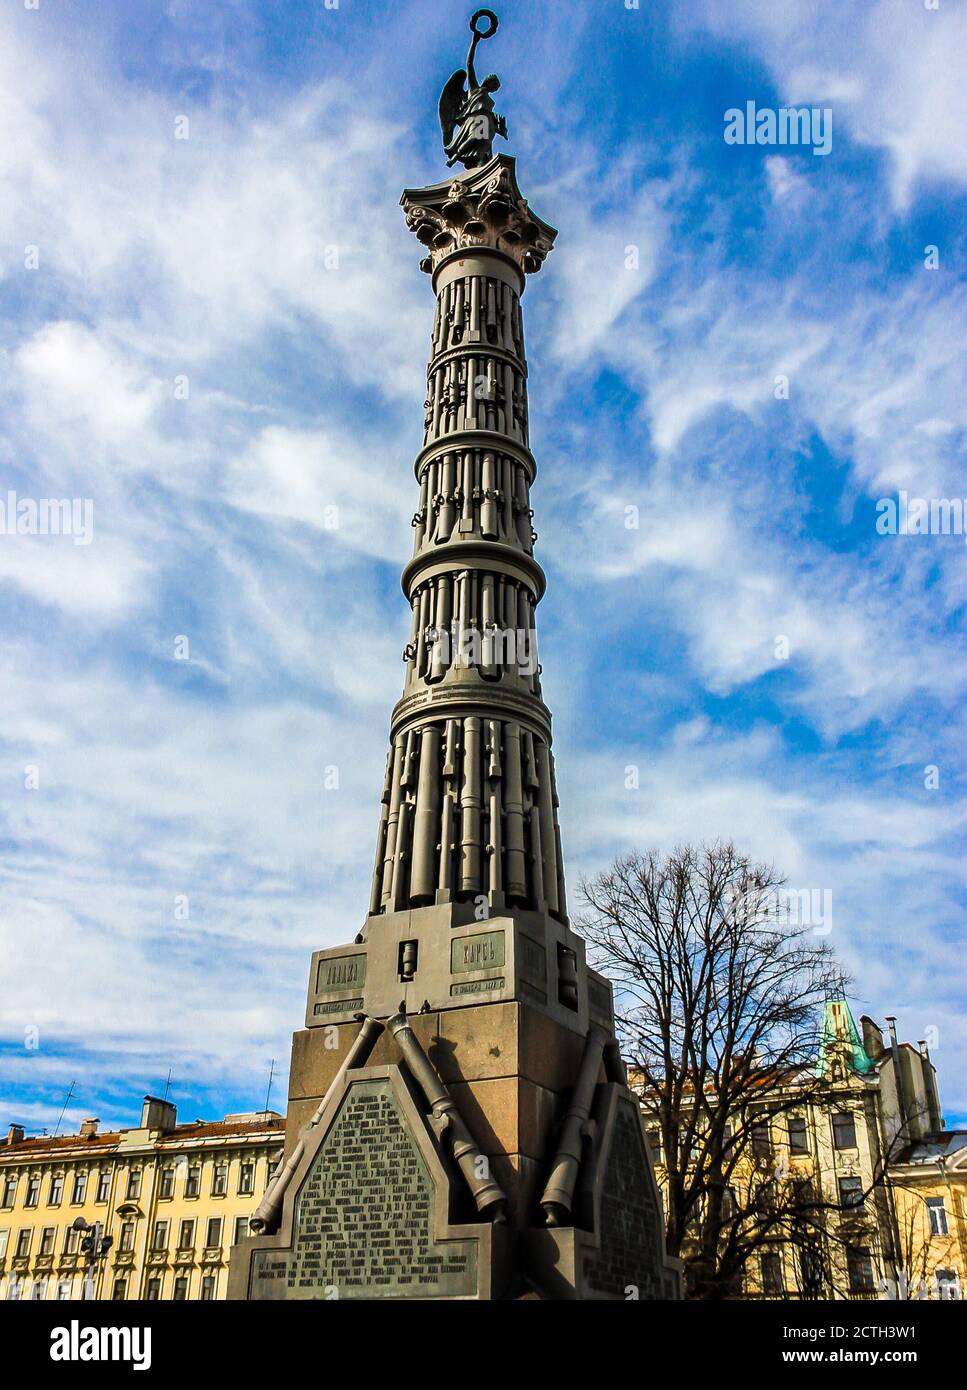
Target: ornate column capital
x=483, y=208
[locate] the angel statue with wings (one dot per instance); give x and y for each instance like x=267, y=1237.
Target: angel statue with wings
x=466, y=106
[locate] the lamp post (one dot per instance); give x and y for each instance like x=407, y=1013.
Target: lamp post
x=94, y=1246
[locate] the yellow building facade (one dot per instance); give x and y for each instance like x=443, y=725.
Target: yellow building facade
x=891, y=1181
x=928, y=1189
x=171, y=1199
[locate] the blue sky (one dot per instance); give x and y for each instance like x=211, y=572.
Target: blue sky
x=163, y=780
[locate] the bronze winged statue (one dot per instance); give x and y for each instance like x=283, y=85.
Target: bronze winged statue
x=467, y=113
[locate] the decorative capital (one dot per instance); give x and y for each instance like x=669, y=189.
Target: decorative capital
x=482, y=208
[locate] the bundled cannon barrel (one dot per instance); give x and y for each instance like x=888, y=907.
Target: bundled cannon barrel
x=447, y=1120
x=559, y=1193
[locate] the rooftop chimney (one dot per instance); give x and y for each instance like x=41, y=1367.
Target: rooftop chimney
x=930, y=1086
x=89, y=1128
x=158, y=1114
x=15, y=1134
x=872, y=1038
x=898, y=1071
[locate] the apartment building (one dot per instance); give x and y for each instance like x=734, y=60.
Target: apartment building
x=144, y=1213
x=869, y=1147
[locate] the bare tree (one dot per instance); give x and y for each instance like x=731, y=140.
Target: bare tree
x=719, y=1001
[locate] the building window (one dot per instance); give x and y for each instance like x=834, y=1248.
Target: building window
x=213, y=1235
x=730, y=1205
x=65, y=1288
x=798, y=1143
x=9, y=1191
x=208, y=1288
x=134, y=1184
x=103, y=1185
x=773, y=1284
x=804, y=1192
x=654, y=1143
x=47, y=1240
x=241, y=1229
x=80, y=1188
x=56, y=1194
x=23, y=1241
x=127, y=1236
x=811, y=1272
x=851, y=1194
x=4, y=1237
x=220, y=1180
x=948, y=1285
x=186, y=1236
x=120, y=1291
x=181, y=1289
x=761, y=1139
x=193, y=1180
x=166, y=1188
x=765, y=1197
x=154, y=1290
x=39, y=1291
x=246, y=1178
x=71, y=1241
x=859, y=1267
x=938, y=1216
x=159, y=1236
x=33, y=1192
x=844, y=1130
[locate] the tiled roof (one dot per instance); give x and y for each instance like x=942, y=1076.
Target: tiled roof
x=47, y=1143
x=219, y=1129
x=205, y=1129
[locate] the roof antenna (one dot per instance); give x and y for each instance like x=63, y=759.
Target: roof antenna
x=167, y=1084
x=268, y=1089
x=63, y=1108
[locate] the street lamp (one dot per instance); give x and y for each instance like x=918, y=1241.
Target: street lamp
x=94, y=1246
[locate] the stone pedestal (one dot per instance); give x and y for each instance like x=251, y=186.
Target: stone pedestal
x=376, y=1204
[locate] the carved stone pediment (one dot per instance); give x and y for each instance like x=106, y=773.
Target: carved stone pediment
x=483, y=207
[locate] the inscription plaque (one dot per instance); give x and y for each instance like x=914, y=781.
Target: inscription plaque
x=478, y=986
x=533, y=961
x=338, y=1006
x=484, y=951
x=631, y=1235
x=341, y=972
x=599, y=1002
x=363, y=1219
